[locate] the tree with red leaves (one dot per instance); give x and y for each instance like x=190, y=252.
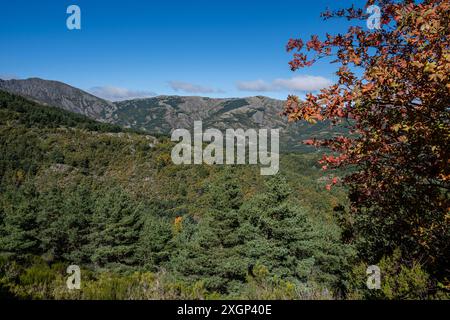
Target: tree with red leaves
x=393, y=91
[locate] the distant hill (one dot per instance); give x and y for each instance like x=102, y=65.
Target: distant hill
x=23, y=112
x=163, y=114
x=60, y=95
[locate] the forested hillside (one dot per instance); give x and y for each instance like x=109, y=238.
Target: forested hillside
x=74, y=191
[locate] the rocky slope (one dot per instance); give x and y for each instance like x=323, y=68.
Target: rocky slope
x=60, y=95
x=163, y=114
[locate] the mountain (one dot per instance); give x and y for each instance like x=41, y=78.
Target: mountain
x=60, y=95
x=166, y=113
x=163, y=114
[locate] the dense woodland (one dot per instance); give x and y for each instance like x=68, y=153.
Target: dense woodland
x=75, y=191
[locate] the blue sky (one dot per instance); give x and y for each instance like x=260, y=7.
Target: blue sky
x=217, y=48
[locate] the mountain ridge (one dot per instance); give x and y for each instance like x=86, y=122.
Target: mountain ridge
x=164, y=113
x=59, y=94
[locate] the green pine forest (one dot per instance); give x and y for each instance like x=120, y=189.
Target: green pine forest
x=76, y=191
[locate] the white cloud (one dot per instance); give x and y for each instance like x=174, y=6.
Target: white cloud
x=303, y=83
x=8, y=76
x=119, y=94
x=299, y=83
x=192, y=88
x=256, y=85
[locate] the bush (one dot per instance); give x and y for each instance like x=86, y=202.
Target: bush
x=398, y=280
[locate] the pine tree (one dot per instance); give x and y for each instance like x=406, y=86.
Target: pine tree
x=282, y=237
x=115, y=228
x=51, y=227
x=78, y=210
x=18, y=231
x=211, y=255
x=154, y=246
